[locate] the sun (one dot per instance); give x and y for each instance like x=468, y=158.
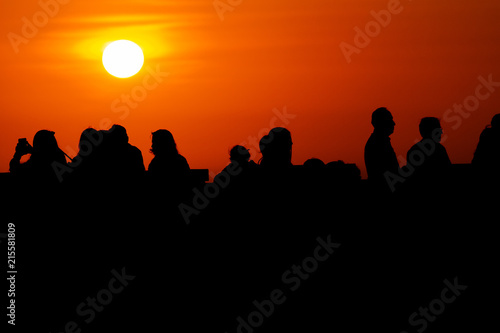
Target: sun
x=122, y=58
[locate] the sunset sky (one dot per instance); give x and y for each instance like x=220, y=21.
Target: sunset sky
x=216, y=79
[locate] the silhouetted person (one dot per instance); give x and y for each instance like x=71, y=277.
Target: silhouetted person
x=90, y=162
x=345, y=173
x=342, y=178
x=428, y=161
x=379, y=154
x=168, y=167
x=314, y=164
x=124, y=161
x=241, y=155
x=237, y=179
x=239, y=158
x=312, y=176
x=39, y=168
x=276, y=149
x=486, y=159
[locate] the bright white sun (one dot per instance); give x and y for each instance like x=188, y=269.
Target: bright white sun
x=122, y=58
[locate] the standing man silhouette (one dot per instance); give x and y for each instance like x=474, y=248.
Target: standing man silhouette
x=379, y=154
x=433, y=165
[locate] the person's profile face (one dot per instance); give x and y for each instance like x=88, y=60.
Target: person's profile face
x=437, y=134
x=383, y=122
x=390, y=125
x=387, y=124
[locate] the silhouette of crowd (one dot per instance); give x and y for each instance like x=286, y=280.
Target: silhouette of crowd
x=202, y=253
x=106, y=157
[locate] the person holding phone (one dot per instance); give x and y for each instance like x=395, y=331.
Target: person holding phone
x=44, y=153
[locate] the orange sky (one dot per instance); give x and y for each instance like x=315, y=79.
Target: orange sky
x=225, y=77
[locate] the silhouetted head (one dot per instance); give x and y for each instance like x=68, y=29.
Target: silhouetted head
x=495, y=122
x=314, y=163
x=430, y=128
x=45, y=148
x=281, y=137
x=89, y=138
x=44, y=142
x=276, y=147
x=383, y=122
x=239, y=154
x=163, y=143
x=344, y=172
x=336, y=165
x=118, y=135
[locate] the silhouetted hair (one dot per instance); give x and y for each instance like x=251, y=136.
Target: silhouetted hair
x=281, y=137
x=428, y=125
x=118, y=135
x=44, y=141
x=314, y=163
x=344, y=172
x=239, y=153
x=276, y=148
x=163, y=143
x=45, y=151
x=86, y=134
x=45, y=147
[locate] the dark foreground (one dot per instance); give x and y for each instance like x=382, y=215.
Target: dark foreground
x=269, y=253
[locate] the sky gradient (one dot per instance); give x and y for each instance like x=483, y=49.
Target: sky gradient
x=218, y=78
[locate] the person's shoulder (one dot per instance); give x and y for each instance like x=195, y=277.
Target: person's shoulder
x=415, y=147
x=487, y=132
x=132, y=147
x=134, y=150
x=153, y=162
x=440, y=148
x=182, y=160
